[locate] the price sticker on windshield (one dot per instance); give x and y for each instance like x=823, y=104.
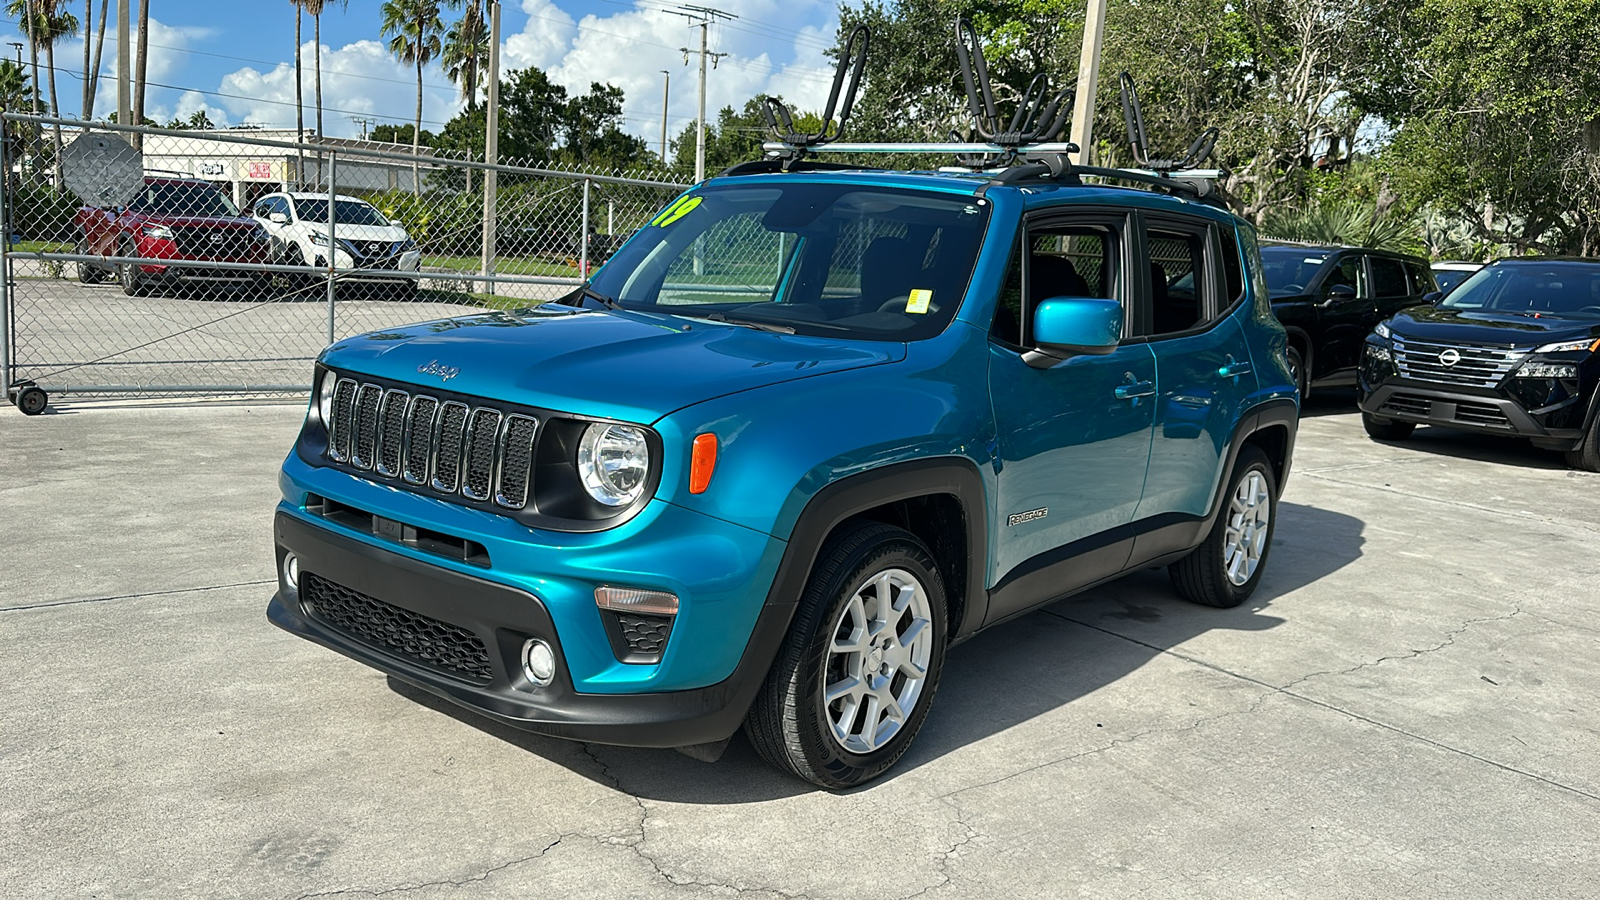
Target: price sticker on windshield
x=676, y=211
x=918, y=301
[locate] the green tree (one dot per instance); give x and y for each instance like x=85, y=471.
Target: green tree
x=541, y=124
x=732, y=138
x=45, y=23
x=401, y=134
x=415, y=34
x=466, y=52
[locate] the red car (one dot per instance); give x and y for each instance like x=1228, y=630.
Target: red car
x=174, y=218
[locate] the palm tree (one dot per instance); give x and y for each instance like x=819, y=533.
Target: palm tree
x=314, y=8
x=45, y=22
x=414, y=30
x=141, y=60
x=91, y=68
x=299, y=93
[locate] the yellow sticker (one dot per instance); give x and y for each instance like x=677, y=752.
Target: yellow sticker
x=676, y=211
x=918, y=301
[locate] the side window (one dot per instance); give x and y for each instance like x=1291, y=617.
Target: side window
x=1388, y=277
x=1347, y=271
x=1232, y=273
x=1055, y=260
x=262, y=209
x=1178, y=279
x=1421, y=278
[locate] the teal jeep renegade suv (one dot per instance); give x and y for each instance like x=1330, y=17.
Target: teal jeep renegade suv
x=809, y=428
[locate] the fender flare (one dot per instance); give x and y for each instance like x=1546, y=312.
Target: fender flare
x=1276, y=413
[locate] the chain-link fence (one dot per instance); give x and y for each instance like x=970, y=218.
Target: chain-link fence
x=151, y=262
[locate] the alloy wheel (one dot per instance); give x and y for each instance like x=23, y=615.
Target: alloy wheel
x=1249, y=514
x=877, y=660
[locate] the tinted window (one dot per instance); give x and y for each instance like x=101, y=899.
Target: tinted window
x=347, y=212
x=1421, y=278
x=176, y=198
x=1531, y=289
x=824, y=259
x=1290, y=270
x=1177, y=276
x=1388, y=277
x=1348, y=272
x=1232, y=274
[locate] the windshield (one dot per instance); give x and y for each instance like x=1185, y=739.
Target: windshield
x=178, y=199
x=347, y=212
x=1538, y=289
x=1449, y=278
x=836, y=260
x=1290, y=270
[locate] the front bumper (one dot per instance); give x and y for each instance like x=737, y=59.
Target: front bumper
x=1426, y=403
x=502, y=618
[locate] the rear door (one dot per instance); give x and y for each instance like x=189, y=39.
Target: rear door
x=1391, y=289
x=1342, y=323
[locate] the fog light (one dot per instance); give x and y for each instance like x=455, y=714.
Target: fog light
x=538, y=662
x=291, y=570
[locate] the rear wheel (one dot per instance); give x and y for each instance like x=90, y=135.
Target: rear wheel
x=1297, y=371
x=852, y=684
x=128, y=274
x=88, y=273
x=1381, y=429
x=1587, y=454
x=1225, y=569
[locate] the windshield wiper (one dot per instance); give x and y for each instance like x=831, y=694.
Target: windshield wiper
x=584, y=290
x=748, y=323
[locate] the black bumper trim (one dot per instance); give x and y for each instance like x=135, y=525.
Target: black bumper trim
x=504, y=617
x=1520, y=423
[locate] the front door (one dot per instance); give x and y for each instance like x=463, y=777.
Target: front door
x=1343, y=322
x=1073, y=439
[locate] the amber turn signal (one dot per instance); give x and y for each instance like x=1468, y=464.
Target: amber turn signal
x=702, y=463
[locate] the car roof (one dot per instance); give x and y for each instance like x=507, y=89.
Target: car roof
x=1269, y=244
x=309, y=195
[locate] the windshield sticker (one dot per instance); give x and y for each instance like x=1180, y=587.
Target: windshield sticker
x=918, y=301
x=676, y=211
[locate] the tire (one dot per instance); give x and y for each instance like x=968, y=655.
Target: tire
x=129, y=276
x=1297, y=372
x=1381, y=429
x=32, y=401
x=791, y=724
x=297, y=283
x=1225, y=569
x=88, y=273
x=1586, y=456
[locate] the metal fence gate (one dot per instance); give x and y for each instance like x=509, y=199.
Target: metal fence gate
x=227, y=270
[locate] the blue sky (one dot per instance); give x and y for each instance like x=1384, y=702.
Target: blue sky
x=235, y=59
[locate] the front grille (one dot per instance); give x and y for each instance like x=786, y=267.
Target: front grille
x=429, y=642
x=377, y=254
x=1407, y=405
x=1486, y=414
x=478, y=452
x=1465, y=364
x=214, y=243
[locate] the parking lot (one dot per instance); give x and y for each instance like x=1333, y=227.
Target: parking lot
x=1406, y=707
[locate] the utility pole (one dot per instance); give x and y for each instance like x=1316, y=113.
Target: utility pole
x=702, y=16
x=364, y=122
x=666, y=89
x=124, y=66
x=491, y=148
x=1094, y=25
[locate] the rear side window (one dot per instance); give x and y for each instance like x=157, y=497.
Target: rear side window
x=1177, y=280
x=1233, y=275
x=1388, y=277
x=1422, y=281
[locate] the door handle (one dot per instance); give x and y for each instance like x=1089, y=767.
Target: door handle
x=1234, y=369
x=1135, y=390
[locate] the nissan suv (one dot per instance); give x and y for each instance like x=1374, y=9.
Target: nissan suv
x=1514, y=350
x=360, y=238
x=806, y=430
x=1329, y=299
x=176, y=225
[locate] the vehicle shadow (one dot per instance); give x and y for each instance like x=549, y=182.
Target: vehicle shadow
x=1471, y=445
x=1062, y=652
x=1329, y=401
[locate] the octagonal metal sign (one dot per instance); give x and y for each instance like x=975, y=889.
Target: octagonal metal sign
x=102, y=169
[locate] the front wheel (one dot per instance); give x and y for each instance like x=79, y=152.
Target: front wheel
x=1297, y=372
x=1381, y=429
x=88, y=273
x=853, y=681
x=128, y=274
x=1225, y=569
x=1587, y=454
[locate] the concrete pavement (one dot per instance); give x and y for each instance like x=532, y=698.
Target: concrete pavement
x=1406, y=708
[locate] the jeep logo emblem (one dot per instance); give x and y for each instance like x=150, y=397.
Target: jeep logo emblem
x=1450, y=357
x=445, y=373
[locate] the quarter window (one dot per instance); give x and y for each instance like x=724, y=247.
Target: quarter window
x=1388, y=278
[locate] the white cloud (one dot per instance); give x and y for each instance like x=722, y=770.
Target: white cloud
x=544, y=41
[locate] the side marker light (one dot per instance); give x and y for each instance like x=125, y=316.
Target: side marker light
x=702, y=463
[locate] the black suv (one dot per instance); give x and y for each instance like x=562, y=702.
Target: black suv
x=1510, y=351
x=1329, y=299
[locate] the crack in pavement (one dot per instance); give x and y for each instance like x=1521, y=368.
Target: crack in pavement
x=1523, y=515
x=407, y=888
x=1450, y=638
x=1274, y=690
x=192, y=590
x=945, y=856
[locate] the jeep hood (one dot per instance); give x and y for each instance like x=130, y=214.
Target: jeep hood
x=1444, y=325
x=632, y=366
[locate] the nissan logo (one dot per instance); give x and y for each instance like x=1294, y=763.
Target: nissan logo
x=1450, y=357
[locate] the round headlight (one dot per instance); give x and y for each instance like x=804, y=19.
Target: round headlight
x=325, y=397
x=613, y=461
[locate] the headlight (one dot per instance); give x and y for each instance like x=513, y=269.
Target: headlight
x=408, y=245
x=1565, y=346
x=613, y=461
x=1548, y=370
x=321, y=239
x=1380, y=354
x=159, y=232
x=1383, y=330
x=330, y=380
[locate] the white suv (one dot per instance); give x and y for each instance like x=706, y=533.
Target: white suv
x=298, y=225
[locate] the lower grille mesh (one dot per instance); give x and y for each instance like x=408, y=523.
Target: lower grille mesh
x=430, y=642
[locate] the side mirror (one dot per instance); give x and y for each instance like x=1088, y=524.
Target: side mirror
x=1337, y=293
x=1069, y=325
x=278, y=219
x=1432, y=298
